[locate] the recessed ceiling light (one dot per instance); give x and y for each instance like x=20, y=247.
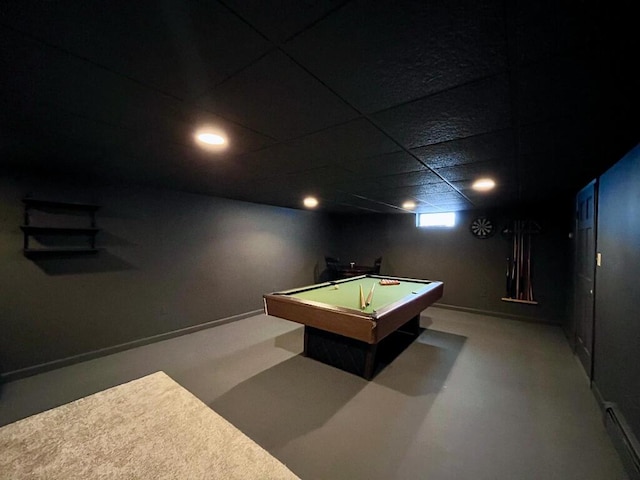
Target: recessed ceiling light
x=409, y=205
x=310, y=202
x=210, y=138
x=483, y=184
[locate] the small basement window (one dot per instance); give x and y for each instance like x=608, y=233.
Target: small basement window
x=430, y=220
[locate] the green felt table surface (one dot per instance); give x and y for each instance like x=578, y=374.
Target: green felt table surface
x=347, y=295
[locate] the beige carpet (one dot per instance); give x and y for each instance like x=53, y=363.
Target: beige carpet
x=150, y=428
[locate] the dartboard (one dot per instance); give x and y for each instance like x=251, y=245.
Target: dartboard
x=482, y=227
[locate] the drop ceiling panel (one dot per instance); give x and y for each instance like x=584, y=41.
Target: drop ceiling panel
x=433, y=189
x=180, y=48
x=40, y=73
x=473, y=109
x=549, y=28
x=396, y=201
x=288, y=18
x=360, y=186
x=479, y=148
x=423, y=177
x=396, y=55
x=279, y=158
x=278, y=98
x=310, y=180
x=342, y=143
x=438, y=198
x=472, y=171
x=351, y=203
x=386, y=164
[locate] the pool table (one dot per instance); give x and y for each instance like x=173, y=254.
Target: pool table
x=341, y=333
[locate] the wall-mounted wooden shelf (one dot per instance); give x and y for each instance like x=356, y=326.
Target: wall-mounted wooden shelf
x=32, y=230
x=56, y=208
x=54, y=204
x=45, y=252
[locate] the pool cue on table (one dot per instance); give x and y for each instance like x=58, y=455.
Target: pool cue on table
x=362, y=304
x=370, y=296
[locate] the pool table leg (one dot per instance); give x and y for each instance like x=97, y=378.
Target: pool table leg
x=370, y=361
x=412, y=326
x=306, y=341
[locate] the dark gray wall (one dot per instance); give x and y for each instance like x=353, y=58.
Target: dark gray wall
x=617, y=318
x=171, y=261
x=473, y=270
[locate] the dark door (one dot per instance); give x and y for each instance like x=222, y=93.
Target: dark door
x=584, y=285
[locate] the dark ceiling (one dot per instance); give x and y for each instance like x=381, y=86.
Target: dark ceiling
x=365, y=104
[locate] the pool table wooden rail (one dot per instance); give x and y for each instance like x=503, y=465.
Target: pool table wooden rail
x=392, y=317
x=343, y=321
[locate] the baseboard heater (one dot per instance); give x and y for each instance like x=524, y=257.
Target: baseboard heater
x=623, y=439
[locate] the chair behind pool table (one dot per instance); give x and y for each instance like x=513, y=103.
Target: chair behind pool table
x=376, y=265
x=332, y=262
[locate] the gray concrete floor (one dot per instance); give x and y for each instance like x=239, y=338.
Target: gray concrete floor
x=474, y=397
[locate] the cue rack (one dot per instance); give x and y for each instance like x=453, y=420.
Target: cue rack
x=519, y=276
